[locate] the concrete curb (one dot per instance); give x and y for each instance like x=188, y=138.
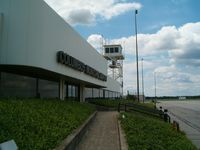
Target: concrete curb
x=73, y=139
x=122, y=139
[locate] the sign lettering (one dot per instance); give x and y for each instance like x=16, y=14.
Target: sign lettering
x=72, y=62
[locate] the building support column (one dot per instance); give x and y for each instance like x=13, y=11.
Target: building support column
x=78, y=92
x=92, y=93
x=99, y=93
x=67, y=93
x=61, y=89
x=82, y=93
x=37, y=88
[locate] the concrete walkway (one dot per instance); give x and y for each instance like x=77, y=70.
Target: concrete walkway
x=103, y=133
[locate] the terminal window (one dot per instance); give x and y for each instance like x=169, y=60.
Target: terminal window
x=107, y=50
x=116, y=50
x=111, y=50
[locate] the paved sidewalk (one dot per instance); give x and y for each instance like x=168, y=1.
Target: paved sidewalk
x=103, y=133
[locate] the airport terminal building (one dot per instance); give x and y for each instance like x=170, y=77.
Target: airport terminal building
x=43, y=56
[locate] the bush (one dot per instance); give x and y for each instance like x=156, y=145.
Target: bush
x=109, y=102
x=40, y=124
x=143, y=132
x=114, y=103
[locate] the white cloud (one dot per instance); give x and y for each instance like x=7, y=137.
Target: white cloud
x=165, y=69
x=149, y=44
x=181, y=44
x=187, y=49
x=118, y=9
x=174, y=53
x=96, y=41
x=90, y=9
x=81, y=16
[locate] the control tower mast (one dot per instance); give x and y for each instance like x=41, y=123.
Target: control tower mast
x=114, y=56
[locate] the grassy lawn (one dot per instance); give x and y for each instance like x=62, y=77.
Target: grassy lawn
x=40, y=124
x=114, y=103
x=146, y=133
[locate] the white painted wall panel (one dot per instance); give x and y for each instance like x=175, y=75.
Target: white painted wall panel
x=88, y=92
x=32, y=35
x=95, y=92
x=113, y=85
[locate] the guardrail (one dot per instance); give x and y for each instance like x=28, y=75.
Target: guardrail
x=128, y=107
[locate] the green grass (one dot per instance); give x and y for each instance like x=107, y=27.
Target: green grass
x=114, y=103
x=146, y=133
x=40, y=124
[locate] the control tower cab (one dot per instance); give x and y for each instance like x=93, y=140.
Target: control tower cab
x=113, y=52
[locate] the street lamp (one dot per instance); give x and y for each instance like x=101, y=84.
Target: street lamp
x=142, y=81
x=136, y=12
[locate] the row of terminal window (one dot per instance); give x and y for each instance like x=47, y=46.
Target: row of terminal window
x=112, y=50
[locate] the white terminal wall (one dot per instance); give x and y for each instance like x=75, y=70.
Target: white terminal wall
x=32, y=34
x=112, y=85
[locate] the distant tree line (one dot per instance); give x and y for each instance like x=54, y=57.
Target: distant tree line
x=173, y=97
x=130, y=96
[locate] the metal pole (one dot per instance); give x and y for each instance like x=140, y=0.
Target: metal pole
x=102, y=43
x=155, y=84
x=136, y=12
x=142, y=82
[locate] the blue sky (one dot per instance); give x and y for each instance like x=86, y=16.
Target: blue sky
x=168, y=38
x=153, y=15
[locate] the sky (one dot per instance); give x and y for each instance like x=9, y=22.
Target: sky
x=168, y=39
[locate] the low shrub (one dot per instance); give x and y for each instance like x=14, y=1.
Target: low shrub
x=109, y=102
x=114, y=103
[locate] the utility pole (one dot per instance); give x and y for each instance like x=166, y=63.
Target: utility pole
x=155, y=84
x=136, y=12
x=142, y=82
x=102, y=44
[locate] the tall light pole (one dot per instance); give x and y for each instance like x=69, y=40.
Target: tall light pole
x=142, y=82
x=136, y=12
x=102, y=43
x=155, y=84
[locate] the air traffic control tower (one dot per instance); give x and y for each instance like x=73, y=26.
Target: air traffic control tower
x=114, y=56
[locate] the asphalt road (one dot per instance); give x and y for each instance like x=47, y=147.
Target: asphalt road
x=187, y=113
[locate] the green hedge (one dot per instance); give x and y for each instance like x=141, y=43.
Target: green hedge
x=40, y=124
x=109, y=102
x=145, y=133
x=114, y=103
